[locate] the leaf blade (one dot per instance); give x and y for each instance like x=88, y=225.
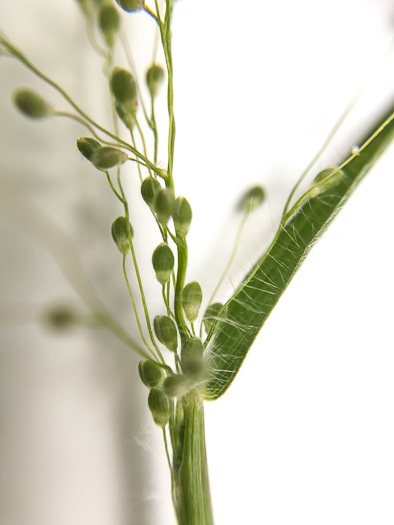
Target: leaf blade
x=253, y=301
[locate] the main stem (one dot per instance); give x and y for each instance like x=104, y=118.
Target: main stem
x=191, y=493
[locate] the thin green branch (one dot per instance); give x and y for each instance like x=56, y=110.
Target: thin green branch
x=134, y=307
x=232, y=255
x=165, y=34
x=114, y=189
x=19, y=56
x=109, y=323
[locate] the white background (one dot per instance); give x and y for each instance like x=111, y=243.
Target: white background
x=305, y=433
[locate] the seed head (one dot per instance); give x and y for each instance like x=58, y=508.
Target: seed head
x=106, y=157
x=163, y=262
x=166, y=332
x=182, y=216
x=211, y=315
x=131, y=6
x=253, y=199
x=191, y=300
x=120, y=234
x=124, y=89
x=127, y=117
x=123, y=86
x=109, y=21
x=328, y=178
x=87, y=146
x=149, y=189
x=31, y=104
x=154, y=79
x=160, y=406
x=151, y=373
x=164, y=205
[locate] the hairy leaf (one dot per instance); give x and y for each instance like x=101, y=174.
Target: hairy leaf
x=247, y=310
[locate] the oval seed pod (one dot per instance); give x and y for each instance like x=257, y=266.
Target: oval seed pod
x=160, y=406
x=131, y=6
x=150, y=187
x=109, y=22
x=154, y=79
x=327, y=178
x=191, y=356
x=253, y=199
x=31, y=104
x=120, y=235
x=128, y=118
x=151, y=373
x=106, y=157
x=191, y=300
x=164, y=205
x=163, y=262
x=211, y=315
x=124, y=87
x=182, y=216
x=87, y=146
x=166, y=332
x=60, y=318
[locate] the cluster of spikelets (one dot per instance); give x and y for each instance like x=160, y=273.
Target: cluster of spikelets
x=191, y=364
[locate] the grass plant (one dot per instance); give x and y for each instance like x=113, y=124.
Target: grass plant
x=193, y=350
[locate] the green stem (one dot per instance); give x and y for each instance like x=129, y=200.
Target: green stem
x=180, y=284
x=165, y=34
x=191, y=492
